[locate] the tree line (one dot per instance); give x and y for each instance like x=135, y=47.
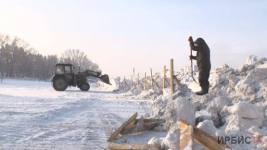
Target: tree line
x=19, y=60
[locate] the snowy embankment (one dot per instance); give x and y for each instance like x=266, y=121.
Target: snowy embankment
x=35, y=116
x=236, y=105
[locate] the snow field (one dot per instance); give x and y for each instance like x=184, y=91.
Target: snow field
x=35, y=116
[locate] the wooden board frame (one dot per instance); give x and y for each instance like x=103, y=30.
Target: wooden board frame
x=204, y=138
x=148, y=124
x=118, y=131
x=115, y=146
x=187, y=138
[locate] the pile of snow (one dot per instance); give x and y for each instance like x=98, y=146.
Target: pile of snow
x=235, y=106
x=171, y=141
x=117, y=84
x=180, y=108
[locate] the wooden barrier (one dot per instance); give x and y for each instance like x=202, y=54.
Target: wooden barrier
x=125, y=83
x=139, y=83
x=156, y=83
x=124, y=146
x=199, y=136
x=164, y=77
x=176, y=81
x=168, y=82
x=145, y=84
x=172, y=81
x=157, y=77
x=151, y=79
x=131, y=81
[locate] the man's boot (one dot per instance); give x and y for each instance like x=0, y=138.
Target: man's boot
x=204, y=90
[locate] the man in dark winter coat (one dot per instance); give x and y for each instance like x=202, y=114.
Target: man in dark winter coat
x=203, y=63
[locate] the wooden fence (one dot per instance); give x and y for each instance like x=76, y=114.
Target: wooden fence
x=153, y=83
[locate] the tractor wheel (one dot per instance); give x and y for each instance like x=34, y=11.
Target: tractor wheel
x=60, y=84
x=84, y=87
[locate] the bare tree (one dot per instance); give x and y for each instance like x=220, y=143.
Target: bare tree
x=78, y=58
x=4, y=39
x=19, y=60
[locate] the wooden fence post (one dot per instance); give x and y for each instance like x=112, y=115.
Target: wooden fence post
x=172, y=81
x=164, y=77
x=145, y=82
x=138, y=82
x=151, y=76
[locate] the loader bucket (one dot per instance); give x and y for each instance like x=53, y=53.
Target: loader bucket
x=104, y=78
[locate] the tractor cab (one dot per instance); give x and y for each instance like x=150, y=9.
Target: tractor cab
x=61, y=69
x=63, y=76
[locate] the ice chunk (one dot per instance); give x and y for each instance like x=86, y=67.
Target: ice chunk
x=256, y=75
x=208, y=127
x=217, y=104
x=245, y=110
x=172, y=140
x=181, y=108
x=156, y=141
x=244, y=115
x=252, y=60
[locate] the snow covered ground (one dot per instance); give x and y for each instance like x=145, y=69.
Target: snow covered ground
x=235, y=106
x=35, y=116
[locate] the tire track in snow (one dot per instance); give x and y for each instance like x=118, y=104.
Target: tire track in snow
x=60, y=120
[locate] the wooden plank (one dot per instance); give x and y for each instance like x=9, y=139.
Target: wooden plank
x=164, y=77
x=145, y=84
x=156, y=83
x=132, y=123
x=151, y=79
x=168, y=82
x=138, y=81
x=187, y=138
x=176, y=81
x=172, y=81
x=154, y=120
x=115, y=146
x=125, y=83
x=208, y=141
x=183, y=125
x=134, y=85
x=140, y=127
x=117, y=132
x=141, y=85
x=131, y=81
x=204, y=138
x=157, y=77
x=119, y=85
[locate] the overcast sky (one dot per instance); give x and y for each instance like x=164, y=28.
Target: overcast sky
x=122, y=34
